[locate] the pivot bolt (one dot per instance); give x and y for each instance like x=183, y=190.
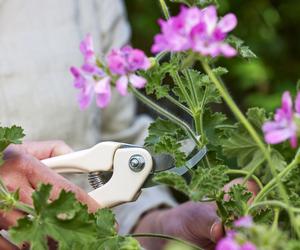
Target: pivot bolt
x=136, y=163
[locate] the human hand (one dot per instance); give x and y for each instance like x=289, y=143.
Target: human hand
x=22, y=170
x=194, y=222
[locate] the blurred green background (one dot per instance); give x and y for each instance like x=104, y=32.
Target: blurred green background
x=269, y=28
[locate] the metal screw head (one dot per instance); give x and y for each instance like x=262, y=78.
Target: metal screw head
x=136, y=163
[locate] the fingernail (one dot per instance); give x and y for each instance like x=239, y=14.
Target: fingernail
x=211, y=232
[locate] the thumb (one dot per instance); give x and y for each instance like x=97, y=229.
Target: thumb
x=42, y=149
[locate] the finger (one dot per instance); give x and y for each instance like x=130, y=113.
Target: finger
x=250, y=185
x=42, y=150
x=5, y=244
x=42, y=174
x=9, y=219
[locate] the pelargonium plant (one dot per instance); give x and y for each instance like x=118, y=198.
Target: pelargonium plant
x=184, y=70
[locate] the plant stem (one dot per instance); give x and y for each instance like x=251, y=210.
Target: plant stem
x=276, y=217
x=165, y=113
x=178, y=104
x=166, y=237
x=274, y=203
x=186, y=95
x=243, y=172
x=164, y=8
x=239, y=115
x=271, y=184
x=24, y=208
x=192, y=88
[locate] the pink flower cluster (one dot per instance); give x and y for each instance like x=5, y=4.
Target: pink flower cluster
x=92, y=80
x=198, y=30
x=286, y=121
x=230, y=243
x=123, y=63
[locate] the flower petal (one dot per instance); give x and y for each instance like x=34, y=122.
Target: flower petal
x=227, y=50
x=122, y=84
x=227, y=23
x=137, y=81
x=210, y=18
x=103, y=92
x=245, y=221
x=85, y=97
x=287, y=104
x=277, y=136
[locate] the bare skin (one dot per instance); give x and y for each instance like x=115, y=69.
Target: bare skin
x=195, y=222
x=23, y=170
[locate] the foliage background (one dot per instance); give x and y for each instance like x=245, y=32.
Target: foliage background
x=270, y=28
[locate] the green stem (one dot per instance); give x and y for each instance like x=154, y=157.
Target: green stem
x=250, y=173
x=178, y=104
x=164, y=8
x=165, y=113
x=271, y=184
x=192, y=88
x=239, y=115
x=276, y=217
x=166, y=237
x=243, y=172
x=179, y=83
x=24, y=208
x=274, y=203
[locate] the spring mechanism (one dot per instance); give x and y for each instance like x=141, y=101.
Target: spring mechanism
x=98, y=179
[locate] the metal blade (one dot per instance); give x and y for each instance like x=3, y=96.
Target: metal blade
x=192, y=162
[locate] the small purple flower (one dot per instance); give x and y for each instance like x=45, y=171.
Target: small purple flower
x=123, y=63
x=198, y=30
x=227, y=243
x=284, y=125
x=209, y=35
x=248, y=246
x=89, y=86
x=90, y=79
x=245, y=221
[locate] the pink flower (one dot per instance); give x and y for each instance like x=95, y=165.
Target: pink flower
x=123, y=63
x=209, y=35
x=88, y=86
x=245, y=221
x=90, y=79
x=284, y=125
x=198, y=30
x=227, y=243
x=248, y=246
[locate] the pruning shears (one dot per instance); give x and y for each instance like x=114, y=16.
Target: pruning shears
x=118, y=171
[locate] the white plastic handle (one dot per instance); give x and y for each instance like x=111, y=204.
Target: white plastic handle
x=98, y=158
x=124, y=184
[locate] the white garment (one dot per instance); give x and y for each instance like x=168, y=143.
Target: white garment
x=38, y=43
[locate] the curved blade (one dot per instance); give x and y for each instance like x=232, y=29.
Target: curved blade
x=192, y=162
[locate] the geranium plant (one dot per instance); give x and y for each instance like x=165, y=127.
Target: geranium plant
x=184, y=71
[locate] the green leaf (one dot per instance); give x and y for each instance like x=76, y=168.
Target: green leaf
x=236, y=206
x=238, y=44
x=9, y=135
x=68, y=222
x=241, y=146
x=205, y=182
x=164, y=137
x=155, y=77
x=200, y=3
x=172, y=180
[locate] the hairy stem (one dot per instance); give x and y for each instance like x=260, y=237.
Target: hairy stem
x=272, y=183
x=164, y=8
x=166, y=237
x=243, y=172
x=273, y=203
x=178, y=104
x=166, y=114
x=239, y=115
